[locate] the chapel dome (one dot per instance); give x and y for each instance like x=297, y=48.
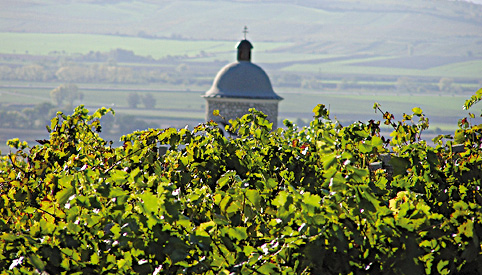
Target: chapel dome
x=242, y=79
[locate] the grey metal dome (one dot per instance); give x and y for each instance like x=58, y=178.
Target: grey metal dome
x=242, y=79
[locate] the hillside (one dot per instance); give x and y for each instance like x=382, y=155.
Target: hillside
x=333, y=27
x=345, y=54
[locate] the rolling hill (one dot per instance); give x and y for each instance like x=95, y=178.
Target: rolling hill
x=332, y=27
x=367, y=48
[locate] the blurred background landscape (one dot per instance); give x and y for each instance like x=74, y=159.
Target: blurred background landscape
x=152, y=60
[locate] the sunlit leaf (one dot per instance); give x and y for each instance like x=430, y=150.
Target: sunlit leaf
x=417, y=111
x=149, y=203
x=64, y=195
x=467, y=229
x=238, y=233
x=254, y=197
x=204, y=228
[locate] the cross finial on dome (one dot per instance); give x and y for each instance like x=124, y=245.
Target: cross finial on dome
x=244, y=48
x=245, y=31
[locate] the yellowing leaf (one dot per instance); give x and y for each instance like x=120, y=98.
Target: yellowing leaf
x=417, y=111
x=467, y=229
x=94, y=259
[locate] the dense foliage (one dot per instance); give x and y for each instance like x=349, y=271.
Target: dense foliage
x=301, y=201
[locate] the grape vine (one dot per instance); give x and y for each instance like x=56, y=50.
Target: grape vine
x=261, y=201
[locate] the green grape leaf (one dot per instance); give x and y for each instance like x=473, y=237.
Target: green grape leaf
x=66, y=181
x=8, y=237
x=400, y=165
x=254, y=197
x=63, y=195
x=281, y=199
x=238, y=233
x=204, y=228
x=149, y=203
x=365, y=148
x=37, y=262
x=119, y=177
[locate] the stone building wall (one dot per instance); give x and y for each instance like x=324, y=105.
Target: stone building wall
x=231, y=108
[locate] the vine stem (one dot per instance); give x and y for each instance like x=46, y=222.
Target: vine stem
x=17, y=167
x=125, y=157
x=217, y=246
x=384, y=113
x=47, y=212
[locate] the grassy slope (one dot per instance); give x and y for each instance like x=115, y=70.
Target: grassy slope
x=468, y=69
x=316, y=26
x=293, y=31
x=46, y=43
x=346, y=106
x=265, y=53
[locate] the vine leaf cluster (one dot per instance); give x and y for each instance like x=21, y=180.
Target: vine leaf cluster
x=261, y=201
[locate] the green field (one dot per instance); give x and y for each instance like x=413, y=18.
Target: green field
x=189, y=104
x=465, y=69
x=324, y=25
x=180, y=108
x=280, y=55
x=46, y=43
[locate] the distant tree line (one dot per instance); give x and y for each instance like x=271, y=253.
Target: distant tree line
x=148, y=100
x=94, y=73
x=96, y=67
x=400, y=84
x=37, y=116
x=124, y=67
x=117, y=55
x=412, y=85
x=66, y=93
x=64, y=97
